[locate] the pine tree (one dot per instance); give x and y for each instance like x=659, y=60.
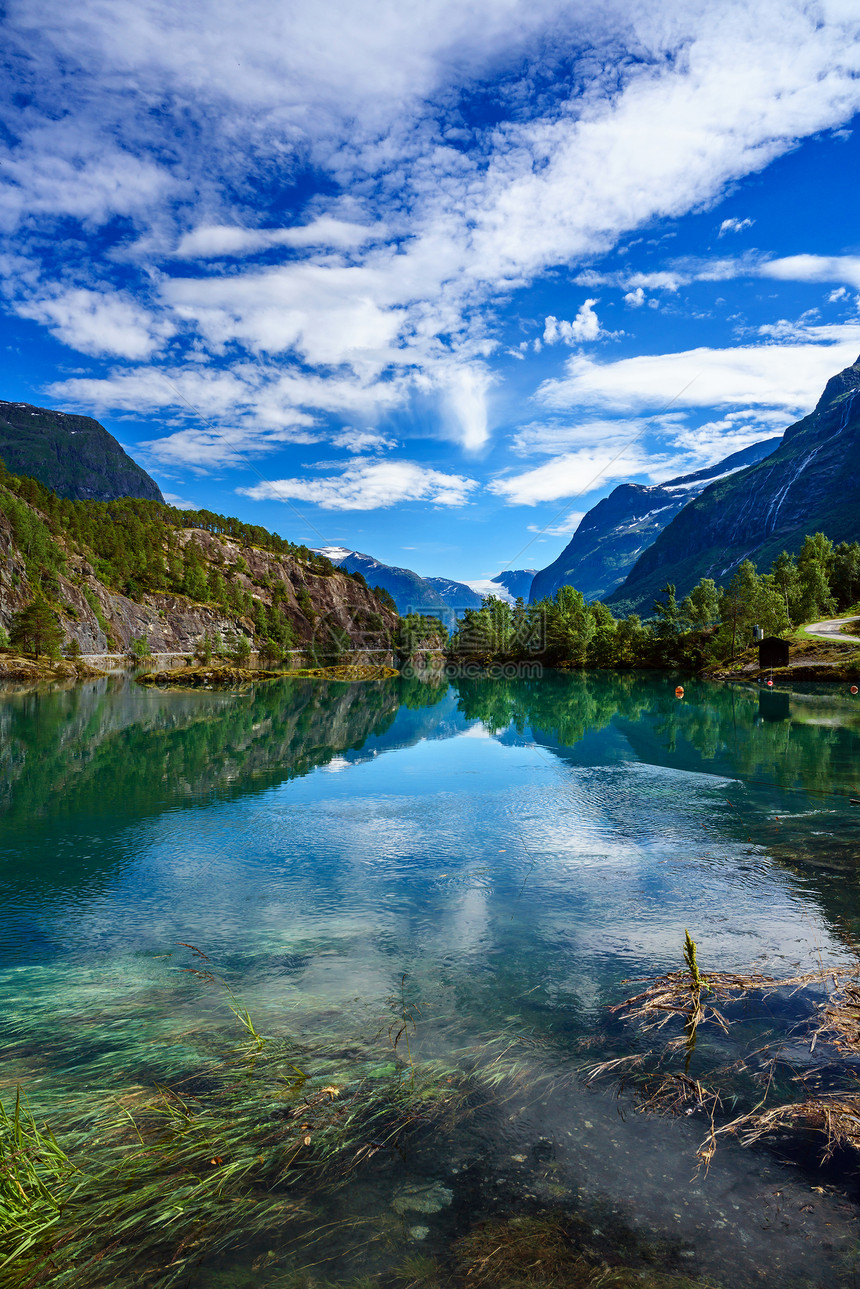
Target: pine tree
x=35, y=629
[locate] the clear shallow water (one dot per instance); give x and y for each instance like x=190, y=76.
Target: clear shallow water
x=506, y=853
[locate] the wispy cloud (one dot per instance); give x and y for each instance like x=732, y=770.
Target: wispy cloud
x=165, y=135
x=778, y=376
x=99, y=322
x=574, y=473
x=734, y=226
x=371, y=485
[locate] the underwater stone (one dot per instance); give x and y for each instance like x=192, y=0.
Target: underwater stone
x=422, y=1199
x=419, y=1232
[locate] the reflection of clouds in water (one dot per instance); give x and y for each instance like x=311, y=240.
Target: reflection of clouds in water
x=459, y=852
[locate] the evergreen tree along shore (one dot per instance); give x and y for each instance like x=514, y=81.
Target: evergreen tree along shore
x=712, y=625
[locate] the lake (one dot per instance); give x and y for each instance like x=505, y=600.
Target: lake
x=441, y=888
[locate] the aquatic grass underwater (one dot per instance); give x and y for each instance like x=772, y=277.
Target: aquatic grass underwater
x=152, y=1181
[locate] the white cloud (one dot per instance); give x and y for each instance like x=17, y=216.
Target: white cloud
x=557, y=435
x=559, y=528
x=357, y=441
x=734, y=226
x=467, y=397
x=786, y=376
x=585, y=326
x=182, y=122
x=814, y=268
x=371, y=485
x=573, y=474
x=208, y=241
x=98, y=322
x=173, y=499
x=705, y=444
x=635, y=299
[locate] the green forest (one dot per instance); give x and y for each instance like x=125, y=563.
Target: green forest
x=134, y=548
x=712, y=624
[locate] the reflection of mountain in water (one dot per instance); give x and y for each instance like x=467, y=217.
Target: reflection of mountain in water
x=109, y=749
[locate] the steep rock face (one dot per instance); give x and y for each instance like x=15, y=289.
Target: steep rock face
x=410, y=592
x=73, y=455
x=339, y=610
x=615, y=532
x=809, y=484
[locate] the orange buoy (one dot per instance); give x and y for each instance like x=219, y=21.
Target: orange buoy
x=853, y=689
x=679, y=691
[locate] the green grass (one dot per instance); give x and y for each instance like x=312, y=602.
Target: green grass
x=139, y=1188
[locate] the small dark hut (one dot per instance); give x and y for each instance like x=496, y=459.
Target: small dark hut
x=773, y=652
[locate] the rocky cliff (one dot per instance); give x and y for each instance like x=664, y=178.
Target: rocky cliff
x=321, y=611
x=809, y=484
x=73, y=455
x=615, y=532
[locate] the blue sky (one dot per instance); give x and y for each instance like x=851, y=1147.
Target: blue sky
x=428, y=279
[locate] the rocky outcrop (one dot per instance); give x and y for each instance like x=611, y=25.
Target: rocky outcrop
x=809, y=484
x=329, y=614
x=615, y=532
x=73, y=455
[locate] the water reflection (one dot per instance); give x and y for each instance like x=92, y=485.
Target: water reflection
x=514, y=848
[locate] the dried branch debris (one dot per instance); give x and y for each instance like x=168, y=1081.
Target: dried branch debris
x=696, y=1000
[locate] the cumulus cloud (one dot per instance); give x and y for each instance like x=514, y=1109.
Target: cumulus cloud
x=371, y=485
x=358, y=441
x=174, y=124
x=585, y=326
x=635, y=299
x=98, y=322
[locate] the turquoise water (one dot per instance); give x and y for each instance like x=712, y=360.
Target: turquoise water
x=497, y=857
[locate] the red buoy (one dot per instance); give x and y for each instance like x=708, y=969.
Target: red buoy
x=853, y=689
x=770, y=684
x=679, y=691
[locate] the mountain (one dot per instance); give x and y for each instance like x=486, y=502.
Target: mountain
x=809, y=484
x=136, y=570
x=72, y=455
x=517, y=581
x=614, y=533
x=412, y=594
x=457, y=595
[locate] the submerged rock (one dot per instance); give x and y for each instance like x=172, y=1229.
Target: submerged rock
x=422, y=1199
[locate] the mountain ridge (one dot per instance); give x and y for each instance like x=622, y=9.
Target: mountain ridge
x=74, y=456
x=613, y=534
x=809, y=484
